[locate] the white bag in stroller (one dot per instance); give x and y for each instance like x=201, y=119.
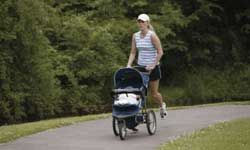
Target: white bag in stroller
x=127, y=99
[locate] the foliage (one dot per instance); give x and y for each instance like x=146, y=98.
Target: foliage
x=209, y=85
x=57, y=58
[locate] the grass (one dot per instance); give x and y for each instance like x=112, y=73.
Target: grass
x=227, y=136
x=212, y=104
x=12, y=132
x=207, y=105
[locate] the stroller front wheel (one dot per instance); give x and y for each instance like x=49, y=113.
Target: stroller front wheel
x=122, y=129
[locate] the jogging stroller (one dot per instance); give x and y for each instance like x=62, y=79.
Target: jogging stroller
x=129, y=96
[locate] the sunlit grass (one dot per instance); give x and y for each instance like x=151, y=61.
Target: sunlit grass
x=234, y=135
x=12, y=132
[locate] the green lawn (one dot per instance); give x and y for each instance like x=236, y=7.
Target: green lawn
x=234, y=135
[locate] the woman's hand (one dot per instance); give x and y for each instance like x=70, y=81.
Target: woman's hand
x=150, y=67
x=129, y=66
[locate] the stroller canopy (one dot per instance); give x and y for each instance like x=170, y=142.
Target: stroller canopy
x=128, y=77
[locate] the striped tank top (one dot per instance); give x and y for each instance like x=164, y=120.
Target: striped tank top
x=147, y=53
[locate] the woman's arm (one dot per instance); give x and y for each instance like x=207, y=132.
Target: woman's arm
x=132, y=52
x=157, y=43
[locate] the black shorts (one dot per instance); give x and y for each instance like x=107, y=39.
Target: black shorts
x=155, y=74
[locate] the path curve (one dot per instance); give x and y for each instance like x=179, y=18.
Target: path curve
x=98, y=135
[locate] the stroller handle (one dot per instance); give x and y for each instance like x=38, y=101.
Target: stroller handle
x=142, y=69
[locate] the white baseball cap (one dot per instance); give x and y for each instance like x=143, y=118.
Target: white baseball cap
x=143, y=17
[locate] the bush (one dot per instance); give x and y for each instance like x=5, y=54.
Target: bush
x=209, y=85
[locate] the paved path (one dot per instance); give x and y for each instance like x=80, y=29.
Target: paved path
x=98, y=135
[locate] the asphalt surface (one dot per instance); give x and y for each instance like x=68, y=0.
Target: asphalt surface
x=98, y=134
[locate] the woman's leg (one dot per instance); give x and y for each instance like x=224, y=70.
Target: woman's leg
x=154, y=86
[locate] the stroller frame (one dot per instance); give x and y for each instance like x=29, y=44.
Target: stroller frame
x=131, y=80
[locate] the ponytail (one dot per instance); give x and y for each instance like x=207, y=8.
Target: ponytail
x=150, y=27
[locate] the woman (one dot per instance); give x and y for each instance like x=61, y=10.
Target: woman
x=149, y=54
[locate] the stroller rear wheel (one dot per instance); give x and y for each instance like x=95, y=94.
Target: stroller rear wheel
x=122, y=129
x=115, y=126
x=151, y=122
